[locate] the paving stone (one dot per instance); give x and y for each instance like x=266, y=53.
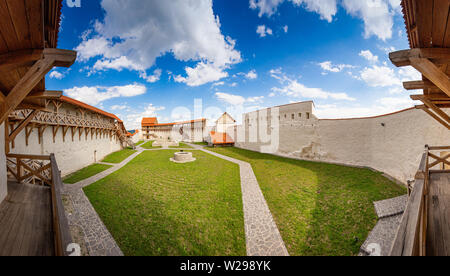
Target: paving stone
x=391, y=207
x=381, y=237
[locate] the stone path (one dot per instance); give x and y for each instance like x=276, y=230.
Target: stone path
x=261, y=232
x=380, y=239
x=98, y=240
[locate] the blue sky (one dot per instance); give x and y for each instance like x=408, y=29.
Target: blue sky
x=154, y=58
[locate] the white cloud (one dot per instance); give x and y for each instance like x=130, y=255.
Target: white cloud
x=325, y=8
x=220, y=83
x=382, y=106
x=377, y=17
x=251, y=75
x=328, y=66
x=367, y=54
x=380, y=76
x=187, y=29
x=292, y=88
x=118, y=107
x=237, y=100
x=56, y=75
x=263, y=31
x=286, y=28
x=376, y=14
x=202, y=73
x=94, y=95
x=153, y=78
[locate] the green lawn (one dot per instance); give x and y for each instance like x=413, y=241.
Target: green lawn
x=156, y=207
x=182, y=146
x=201, y=143
x=140, y=142
x=320, y=209
x=85, y=173
x=149, y=145
x=118, y=156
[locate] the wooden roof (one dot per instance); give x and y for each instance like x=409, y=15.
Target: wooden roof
x=25, y=26
x=427, y=23
x=428, y=27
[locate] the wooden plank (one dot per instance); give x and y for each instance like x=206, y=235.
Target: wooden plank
x=429, y=70
x=45, y=95
x=437, y=55
x=440, y=17
x=436, y=117
x=424, y=22
x=35, y=16
x=418, y=85
x=7, y=28
x=22, y=125
x=19, y=20
x=12, y=60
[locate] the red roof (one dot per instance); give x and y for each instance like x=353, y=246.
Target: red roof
x=149, y=121
x=220, y=138
x=89, y=107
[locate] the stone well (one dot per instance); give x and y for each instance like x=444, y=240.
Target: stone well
x=182, y=157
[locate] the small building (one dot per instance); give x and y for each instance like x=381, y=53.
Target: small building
x=219, y=139
x=188, y=131
x=224, y=123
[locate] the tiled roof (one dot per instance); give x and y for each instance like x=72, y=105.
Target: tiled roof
x=88, y=107
x=220, y=138
x=149, y=121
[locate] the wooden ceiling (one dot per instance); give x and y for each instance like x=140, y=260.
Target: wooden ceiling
x=25, y=26
x=428, y=27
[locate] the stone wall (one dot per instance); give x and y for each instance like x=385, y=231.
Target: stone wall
x=392, y=143
x=70, y=155
x=3, y=180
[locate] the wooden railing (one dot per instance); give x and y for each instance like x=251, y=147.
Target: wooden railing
x=412, y=233
x=43, y=170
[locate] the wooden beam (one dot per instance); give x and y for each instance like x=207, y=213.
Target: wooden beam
x=45, y=95
x=52, y=57
x=20, y=58
x=62, y=58
x=432, y=114
x=28, y=131
x=417, y=85
x=429, y=70
x=54, y=132
x=41, y=130
x=64, y=132
x=22, y=125
x=438, y=55
x=432, y=106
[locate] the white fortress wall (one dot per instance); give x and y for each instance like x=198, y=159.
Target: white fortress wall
x=71, y=156
x=3, y=177
x=392, y=143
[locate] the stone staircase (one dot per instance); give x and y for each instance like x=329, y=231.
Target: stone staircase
x=380, y=239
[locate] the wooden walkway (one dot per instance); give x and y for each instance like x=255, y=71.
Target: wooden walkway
x=438, y=234
x=26, y=221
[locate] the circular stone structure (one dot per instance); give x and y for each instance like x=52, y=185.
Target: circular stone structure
x=183, y=157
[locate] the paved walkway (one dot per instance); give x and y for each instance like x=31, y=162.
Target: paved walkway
x=261, y=232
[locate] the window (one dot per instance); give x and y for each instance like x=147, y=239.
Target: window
x=299, y=115
x=285, y=116
x=293, y=116
x=307, y=115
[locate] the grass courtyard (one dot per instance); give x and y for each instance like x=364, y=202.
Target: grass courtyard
x=85, y=173
x=149, y=145
x=119, y=156
x=320, y=209
x=155, y=207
